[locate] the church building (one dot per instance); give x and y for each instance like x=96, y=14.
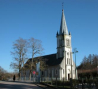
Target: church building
x=61, y=64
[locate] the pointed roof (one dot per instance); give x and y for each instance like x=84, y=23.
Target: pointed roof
x=63, y=26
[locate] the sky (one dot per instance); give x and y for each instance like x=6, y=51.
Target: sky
x=41, y=19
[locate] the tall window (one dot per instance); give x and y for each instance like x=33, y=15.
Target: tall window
x=68, y=54
x=67, y=60
x=60, y=42
x=45, y=73
x=42, y=73
x=63, y=71
x=67, y=42
x=52, y=72
x=48, y=72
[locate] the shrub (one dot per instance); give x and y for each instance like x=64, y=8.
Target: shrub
x=61, y=83
x=75, y=82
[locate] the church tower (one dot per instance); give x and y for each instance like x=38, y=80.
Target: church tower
x=63, y=39
x=64, y=50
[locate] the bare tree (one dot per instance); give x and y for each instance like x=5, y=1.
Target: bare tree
x=19, y=54
x=95, y=62
x=84, y=61
x=3, y=74
x=89, y=64
x=36, y=50
x=90, y=58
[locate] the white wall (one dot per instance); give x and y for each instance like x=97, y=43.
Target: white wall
x=66, y=50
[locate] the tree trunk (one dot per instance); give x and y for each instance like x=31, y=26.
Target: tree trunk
x=25, y=75
x=30, y=75
x=19, y=75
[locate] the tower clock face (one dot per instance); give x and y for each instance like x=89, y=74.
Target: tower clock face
x=67, y=42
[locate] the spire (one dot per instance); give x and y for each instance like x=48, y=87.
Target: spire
x=63, y=26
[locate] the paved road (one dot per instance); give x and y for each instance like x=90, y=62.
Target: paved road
x=17, y=85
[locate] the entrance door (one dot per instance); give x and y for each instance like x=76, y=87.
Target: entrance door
x=68, y=76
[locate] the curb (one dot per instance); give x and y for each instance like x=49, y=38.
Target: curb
x=48, y=86
x=45, y=86
x=40, y=86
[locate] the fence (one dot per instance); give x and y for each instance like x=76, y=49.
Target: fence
x=72, y=83
x=43, y=79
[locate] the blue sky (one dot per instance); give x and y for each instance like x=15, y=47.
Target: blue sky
x=41, y=19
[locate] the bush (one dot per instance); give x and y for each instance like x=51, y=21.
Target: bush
x=61, y=83
x=80, y=81
x=75, y=82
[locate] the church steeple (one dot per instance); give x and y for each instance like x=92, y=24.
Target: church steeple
x=63, y=38
x=63, y=26
x=64, y=50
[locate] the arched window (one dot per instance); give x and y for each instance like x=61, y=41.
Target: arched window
x=56, y=72
x=67, y=42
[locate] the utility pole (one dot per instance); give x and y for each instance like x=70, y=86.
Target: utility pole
x=71, y=63
x=75, y=51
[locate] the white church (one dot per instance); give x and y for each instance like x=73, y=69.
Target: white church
x=60, y=64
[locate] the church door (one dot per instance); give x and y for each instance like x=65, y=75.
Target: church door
x=68, y=76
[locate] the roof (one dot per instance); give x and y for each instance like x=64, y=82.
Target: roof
x=63, y=26
x=50, y=59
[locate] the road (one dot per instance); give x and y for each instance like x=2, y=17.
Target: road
x=17, y=85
